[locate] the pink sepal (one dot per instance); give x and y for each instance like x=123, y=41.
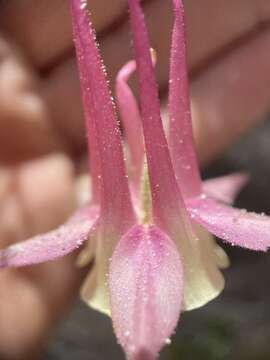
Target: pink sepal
x=145, y=282
x=166, y=198
x=54, y=244
x=101, y=119
x=181, y=138
x=235, y=226
x=225, y=188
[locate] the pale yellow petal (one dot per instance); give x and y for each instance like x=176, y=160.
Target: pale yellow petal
x=95, y=293
x=223, y=260
x=87, y=254
x=95, y=290
x=203, y=280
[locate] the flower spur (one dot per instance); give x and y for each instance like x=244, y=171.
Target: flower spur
x=153, y=258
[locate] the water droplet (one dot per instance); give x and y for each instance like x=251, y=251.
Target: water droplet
x=83, y=4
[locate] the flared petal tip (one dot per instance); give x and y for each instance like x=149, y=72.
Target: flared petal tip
x=238, y=227
x=54, y=244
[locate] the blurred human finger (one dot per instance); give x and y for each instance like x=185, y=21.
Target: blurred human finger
x=232, y=96
x=25, y=130
x=36, y=197
x=42, y=28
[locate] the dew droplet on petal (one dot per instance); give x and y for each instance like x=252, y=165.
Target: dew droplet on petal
x=83, y=4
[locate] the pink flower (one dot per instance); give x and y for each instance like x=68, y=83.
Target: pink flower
x=154, y=255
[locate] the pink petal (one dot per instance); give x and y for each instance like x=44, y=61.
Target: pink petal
x=235, y=226
x=117, y=213
x=131, y=120
x=166, y=198
x=181, y=139
x=145, y=281
x=53, y=244
x=93, y=150
x=101, y=120
x=168, y=206
x=225, y=188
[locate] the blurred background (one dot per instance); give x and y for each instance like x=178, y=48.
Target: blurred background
x=43, y=151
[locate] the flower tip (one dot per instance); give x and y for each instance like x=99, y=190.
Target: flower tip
x=235, y=226
x=226, y=188
x=142, y=354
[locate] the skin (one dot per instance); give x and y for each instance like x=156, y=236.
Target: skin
x=42, y=137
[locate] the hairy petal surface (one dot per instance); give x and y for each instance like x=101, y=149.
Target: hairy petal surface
x=225, y=188
x=235, y=226
x=181, y=139
x=116, y=209
x=146, y=284
x=102, y=119
x=53, y=244
x=200, y=284
x=93, y=148
x=163, y=184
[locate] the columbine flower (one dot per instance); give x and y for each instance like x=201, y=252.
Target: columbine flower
x=154, y=256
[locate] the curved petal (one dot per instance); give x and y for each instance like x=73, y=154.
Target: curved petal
x=235, y=226
x=225, y=188
x=146, y=285
x=131, y=120
x=53, y=244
